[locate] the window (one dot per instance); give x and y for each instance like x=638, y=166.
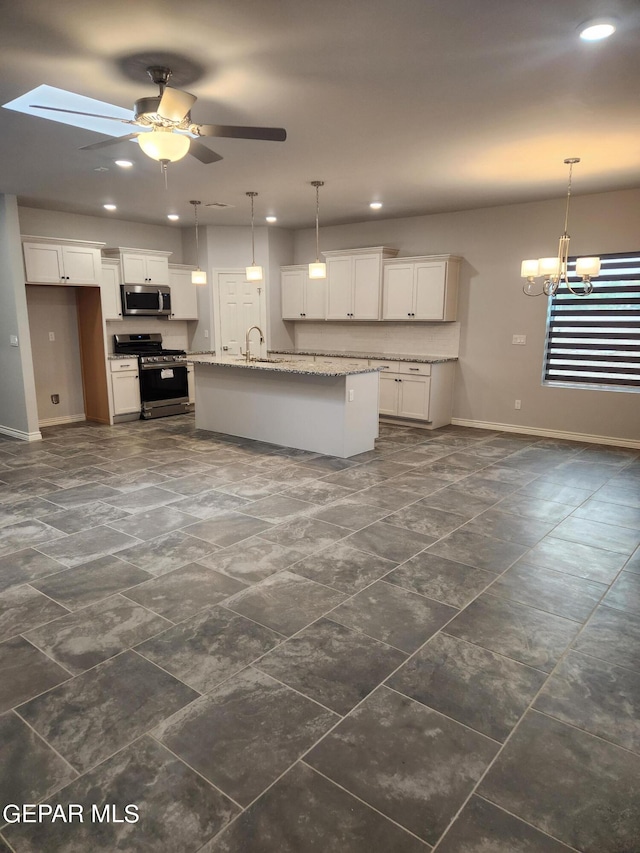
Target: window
x=594, y=341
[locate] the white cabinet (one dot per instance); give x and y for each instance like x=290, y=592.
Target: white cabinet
x=125, y=386
x=354, y=283
x=191, y=383
x=303, y=298
x=53, y=262
x=420, y=288
x=415, y=390
x=110, y=290
x=184, y=296
x=141, y=266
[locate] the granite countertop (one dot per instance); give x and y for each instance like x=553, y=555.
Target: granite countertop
x=283, y=366
x=382, y=356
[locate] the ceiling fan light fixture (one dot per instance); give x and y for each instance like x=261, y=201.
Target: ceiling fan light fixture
x=164, y=145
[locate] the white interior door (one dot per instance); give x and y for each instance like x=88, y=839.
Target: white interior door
x=240, y=306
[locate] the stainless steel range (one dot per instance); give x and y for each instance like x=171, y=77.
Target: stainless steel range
x=164, y=388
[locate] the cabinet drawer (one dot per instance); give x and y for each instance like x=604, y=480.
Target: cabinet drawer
x=387, y=366
x=119, y=365
x=413, y=368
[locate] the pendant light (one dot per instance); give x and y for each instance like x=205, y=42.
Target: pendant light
x=254, y=272
x=318, y=269
x=198, y=276
x=555, y=271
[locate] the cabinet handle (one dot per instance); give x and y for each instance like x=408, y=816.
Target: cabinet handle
x=414, y=368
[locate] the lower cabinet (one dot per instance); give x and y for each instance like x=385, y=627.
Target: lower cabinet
x=125, y=386
x=191, y=383
x=405, y=396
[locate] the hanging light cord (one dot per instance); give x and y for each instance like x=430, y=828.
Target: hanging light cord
x=566, y=214
x=195, y=210
x=253, y=247
x=317, y=221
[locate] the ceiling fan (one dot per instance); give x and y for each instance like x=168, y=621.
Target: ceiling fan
x=168, y=115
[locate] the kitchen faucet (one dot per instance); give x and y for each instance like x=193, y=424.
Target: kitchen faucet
x=247, y=342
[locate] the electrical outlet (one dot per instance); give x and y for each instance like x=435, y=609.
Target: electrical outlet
x=55, y=399
x=52, y=336
x=206, y=333
x=518, y=404
x=519, y=339
x=13, y=340
x=351, y=395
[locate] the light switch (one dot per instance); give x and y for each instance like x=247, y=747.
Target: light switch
x=13, y=340
x=519, y=339
x=52, y=336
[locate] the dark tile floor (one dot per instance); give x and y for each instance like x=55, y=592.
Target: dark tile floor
x=432, y=646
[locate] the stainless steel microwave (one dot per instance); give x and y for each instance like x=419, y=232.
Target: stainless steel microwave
x=145, y=300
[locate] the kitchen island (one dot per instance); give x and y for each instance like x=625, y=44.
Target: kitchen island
x=316, y=407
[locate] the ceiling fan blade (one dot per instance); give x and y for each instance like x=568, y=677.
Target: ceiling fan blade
x=106, y=142
x=78, y=113
x=272, y=134
x=174, y=104
x=202, y=153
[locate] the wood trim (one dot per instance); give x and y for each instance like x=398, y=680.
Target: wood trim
x=94, y=372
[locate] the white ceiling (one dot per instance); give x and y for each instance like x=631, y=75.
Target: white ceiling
x=427, y=105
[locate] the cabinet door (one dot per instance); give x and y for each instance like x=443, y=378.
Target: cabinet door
x=191, y=384
x=389, y=390
x=184, y=298
x=413, y=399
x=397, y=290
x=110, y=292
x=157, y=270
x=292, y=293
x=126, y=392
x=315, y=293
x=81, y=265
x=430, y=282
x=339, y=289
x=367, y=275
x=134, y=268
x=43, y=263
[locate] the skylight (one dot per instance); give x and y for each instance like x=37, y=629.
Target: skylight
x=49, y=96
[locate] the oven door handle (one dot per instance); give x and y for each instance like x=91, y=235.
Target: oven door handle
x=160, y=305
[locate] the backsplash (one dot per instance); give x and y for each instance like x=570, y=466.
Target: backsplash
x=409, y=338
x=175, y=333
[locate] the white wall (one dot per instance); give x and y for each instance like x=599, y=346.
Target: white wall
x=492, y=373
x=102, y=229
x=18, y=411
x=229, y=247
x=56, y=364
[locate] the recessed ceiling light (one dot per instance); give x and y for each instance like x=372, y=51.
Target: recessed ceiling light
x=124, y=164
x=271, y=218
x=596, y=29
x=109, y=207
x=172, y=216
x=375, y=205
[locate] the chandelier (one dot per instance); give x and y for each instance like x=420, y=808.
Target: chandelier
x=554, y=270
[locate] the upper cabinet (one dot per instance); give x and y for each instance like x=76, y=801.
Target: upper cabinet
x=141, y=266
x=423, y=288
x=110, y=290
x=53, y=261
x=303, y=298
x=354, y=283
x=184, y=294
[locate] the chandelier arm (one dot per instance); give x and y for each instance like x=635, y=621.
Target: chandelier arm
x=528, y=292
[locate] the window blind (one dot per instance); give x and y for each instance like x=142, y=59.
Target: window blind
x=595, y=340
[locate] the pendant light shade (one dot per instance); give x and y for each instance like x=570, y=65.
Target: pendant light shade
x=317, y=269
x=254, y=272
x=164, y=145
x=198, y=276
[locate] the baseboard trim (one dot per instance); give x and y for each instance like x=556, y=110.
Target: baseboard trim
x=20, y=434
x=550, y=433
x=66, y=419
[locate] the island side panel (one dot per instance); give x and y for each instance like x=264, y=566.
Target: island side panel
x=304, y=411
